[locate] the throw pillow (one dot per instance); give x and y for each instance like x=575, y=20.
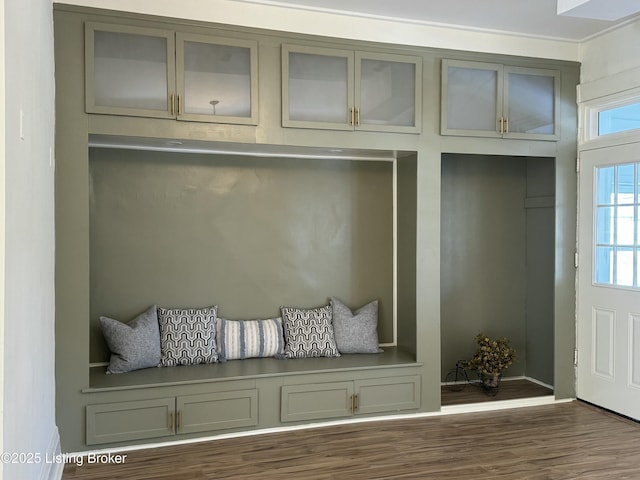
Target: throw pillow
x=356, y=332
x=308, y=333
x=240, y=339
x=187, y=336
x=133, y=345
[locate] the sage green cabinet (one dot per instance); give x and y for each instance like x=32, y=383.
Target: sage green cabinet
x=345, y=399
x=122, y=421
x=350, y=90
x=493, y=100
x=158, y=73
x=144, y=419
x=217, y=411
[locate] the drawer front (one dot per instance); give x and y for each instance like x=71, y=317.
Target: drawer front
x=316, y=401
x=387, y=394
x=217, y=411
x=122, y=421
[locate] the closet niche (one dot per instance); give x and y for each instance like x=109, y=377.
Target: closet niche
x=497, y=258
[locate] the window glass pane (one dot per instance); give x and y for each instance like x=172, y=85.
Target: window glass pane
x=620, y=119
x=604, y=265
x=604, y=226
x=318, y=88
x=625, y=223
x=531, y=103
x=387, y=93
x=472, y=98
x=217, y=79
x=624, y=267
x=605, y=185
x=617, y=226
x=130, y=70
x=637, y=227
x=625, y=183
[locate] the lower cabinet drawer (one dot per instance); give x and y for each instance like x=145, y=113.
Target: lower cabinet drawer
x=316, y=401
x=122, y=421
x=388, y=394
x=217, y=411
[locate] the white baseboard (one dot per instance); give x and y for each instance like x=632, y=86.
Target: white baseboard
x=469, y=408
x=52, y=469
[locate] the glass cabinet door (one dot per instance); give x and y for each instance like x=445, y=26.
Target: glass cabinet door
x=471, y=98
x=129, y=70
x=388, y=92
x=317, y=88
x=530, y=100
x=216, y=79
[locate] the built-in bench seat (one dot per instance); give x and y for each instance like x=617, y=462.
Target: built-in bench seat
x=244, y=369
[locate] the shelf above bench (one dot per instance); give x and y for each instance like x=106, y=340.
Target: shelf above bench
x=99, y=381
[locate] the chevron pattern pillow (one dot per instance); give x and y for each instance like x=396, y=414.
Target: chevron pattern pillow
x=187, y=336
x=308, y=333
x=240, y=339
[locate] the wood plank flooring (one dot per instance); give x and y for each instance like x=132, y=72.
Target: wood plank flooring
x=508, y=390
x=553, y=442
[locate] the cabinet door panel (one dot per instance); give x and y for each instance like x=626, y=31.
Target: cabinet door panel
x=129, y=71
x=315, y=401
x=122, y=421
x=388, y=92
x=530, y=97
x=217, y=411
x=471, y=98
x=388, y=394
x=217, y=79
x=317, y=87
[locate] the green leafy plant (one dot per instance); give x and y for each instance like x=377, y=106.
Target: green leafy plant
x=492, y=356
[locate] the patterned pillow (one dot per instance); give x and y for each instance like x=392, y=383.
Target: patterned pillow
x=187, y=336
x=308, y=333
x=133, y=345
x=240, y=339
x=356, y=332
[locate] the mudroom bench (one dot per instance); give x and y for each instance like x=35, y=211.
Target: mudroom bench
x=174, y=403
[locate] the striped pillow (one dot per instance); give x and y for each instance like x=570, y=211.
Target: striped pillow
x=240, y=339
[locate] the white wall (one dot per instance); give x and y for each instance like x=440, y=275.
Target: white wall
x=275, y=17
x=28, y=419
x=2, y=232
x=612, y=53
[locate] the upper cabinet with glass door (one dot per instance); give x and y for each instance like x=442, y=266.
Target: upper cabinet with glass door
x=492, y=100
x=347, y=90
x=163, y=74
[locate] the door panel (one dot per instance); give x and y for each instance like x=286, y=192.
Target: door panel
x=608, y=323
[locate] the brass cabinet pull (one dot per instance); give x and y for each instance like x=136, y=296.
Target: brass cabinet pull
x=506, y=125
x=358, y=116
x=171, y=422
x=352, y=111
x=179, y=423
x=501, y=125
x=179, y=114
x=173, y=104
x=355, y=403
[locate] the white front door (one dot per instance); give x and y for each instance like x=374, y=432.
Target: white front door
x=608, y=324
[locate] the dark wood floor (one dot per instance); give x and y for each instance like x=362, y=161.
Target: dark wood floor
x=508, y=390
x=562, y=441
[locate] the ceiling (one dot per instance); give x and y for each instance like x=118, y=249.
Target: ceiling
x=538, y=18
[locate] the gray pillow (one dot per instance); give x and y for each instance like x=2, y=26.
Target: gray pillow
x=133, y=345
x=356, y=332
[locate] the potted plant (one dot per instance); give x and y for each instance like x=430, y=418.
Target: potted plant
x=491, y=359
